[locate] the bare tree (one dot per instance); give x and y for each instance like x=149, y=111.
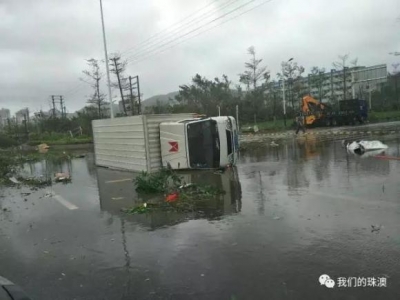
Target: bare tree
x=342, y=65
x=93, y=78
x=118, y=67
x=255, y=77
x=254, y=72
x=292, y=75
x=317, y=81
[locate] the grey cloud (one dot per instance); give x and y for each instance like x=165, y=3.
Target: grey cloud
x=44, y=43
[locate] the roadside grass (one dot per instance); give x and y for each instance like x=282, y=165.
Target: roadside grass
x=62, y=141
x=278, y=125
x=384, y=116
x=6, y=141
x=268, y=126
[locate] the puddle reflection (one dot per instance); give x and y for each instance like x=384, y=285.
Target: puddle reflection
x=117, y=191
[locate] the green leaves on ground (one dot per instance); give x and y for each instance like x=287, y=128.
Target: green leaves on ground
x=159, y=182
x=190, y=197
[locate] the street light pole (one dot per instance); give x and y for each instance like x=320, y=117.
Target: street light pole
x=284, y=99
x=283, y=91
x=106, y=57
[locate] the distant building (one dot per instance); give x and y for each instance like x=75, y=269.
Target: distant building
x=4, y=116
x=21, y=115
x=357, y=82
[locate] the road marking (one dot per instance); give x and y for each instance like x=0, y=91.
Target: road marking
x=119, y=180
x=117, y=198
x=65, y=202
x=61, y=200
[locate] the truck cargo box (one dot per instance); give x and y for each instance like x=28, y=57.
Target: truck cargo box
x=131, y=143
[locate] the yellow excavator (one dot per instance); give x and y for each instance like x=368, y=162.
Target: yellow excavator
x=313, y=110
x=349, y=112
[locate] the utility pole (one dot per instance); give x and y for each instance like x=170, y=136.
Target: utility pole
x=138, y=89
x=62, y=106
x=106, y=61
x=117, y=71
x=59, y=101
x=26, y=125
x=54, y=106
x=344, y=83
x=131, y=93
x=283, y=91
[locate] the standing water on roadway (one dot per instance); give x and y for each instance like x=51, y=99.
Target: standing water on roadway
x=290, y=213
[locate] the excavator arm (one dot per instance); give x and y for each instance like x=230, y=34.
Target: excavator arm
x=312, y=109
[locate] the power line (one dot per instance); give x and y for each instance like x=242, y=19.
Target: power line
x=172, y=46
x=135, y=60
x=186, y=26
x=75, y=88
x=166, y=29
x=201, y=26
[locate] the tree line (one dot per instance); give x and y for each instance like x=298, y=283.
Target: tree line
x=257, y=95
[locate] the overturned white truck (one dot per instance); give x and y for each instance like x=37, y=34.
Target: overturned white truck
x=148, y=142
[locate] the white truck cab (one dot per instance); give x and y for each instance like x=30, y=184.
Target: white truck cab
x=199, y=143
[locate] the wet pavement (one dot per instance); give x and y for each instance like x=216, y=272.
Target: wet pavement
x=290, y=213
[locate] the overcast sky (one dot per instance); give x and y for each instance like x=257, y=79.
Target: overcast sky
x=44, y=43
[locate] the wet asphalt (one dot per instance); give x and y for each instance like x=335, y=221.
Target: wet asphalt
x=290, y=213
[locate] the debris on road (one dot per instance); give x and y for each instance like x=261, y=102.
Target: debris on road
x=35, y=181
x=172, y=197
x=273, y=144
x=43, y=148
x=14, y=180
x=362, y=146
x=62, y=177
x=175, y=194
x=376, y=228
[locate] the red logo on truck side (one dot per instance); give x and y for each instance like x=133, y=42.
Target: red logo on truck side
x=174, y=147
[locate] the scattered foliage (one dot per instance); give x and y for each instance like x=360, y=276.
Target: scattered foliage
x=159, y=182
x=7, y=142
x=189, y=197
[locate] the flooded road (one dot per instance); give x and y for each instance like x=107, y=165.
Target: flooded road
x=290, y=213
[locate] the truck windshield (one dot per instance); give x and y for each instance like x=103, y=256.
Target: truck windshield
x=203, y=144
x=229, y=141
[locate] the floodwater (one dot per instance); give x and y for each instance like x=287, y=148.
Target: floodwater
x=290, y=214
